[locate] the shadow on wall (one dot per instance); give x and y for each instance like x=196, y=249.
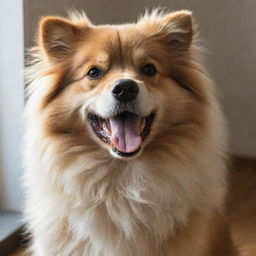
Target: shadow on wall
x=2, y=185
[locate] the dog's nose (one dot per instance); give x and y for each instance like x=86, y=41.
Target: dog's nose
x=125, y=90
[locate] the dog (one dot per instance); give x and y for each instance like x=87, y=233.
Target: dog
x=125, y=141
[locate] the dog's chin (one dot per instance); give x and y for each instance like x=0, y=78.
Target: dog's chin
x=123, y=134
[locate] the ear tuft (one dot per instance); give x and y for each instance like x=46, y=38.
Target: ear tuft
x=175, y=28
x=182, y=20
x=57, y=37
x=179, y=27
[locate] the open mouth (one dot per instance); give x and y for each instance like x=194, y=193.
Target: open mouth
x=125, y=132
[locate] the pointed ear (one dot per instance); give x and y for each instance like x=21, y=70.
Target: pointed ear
x=174, y=28
x=178, y=27
x=57, y=37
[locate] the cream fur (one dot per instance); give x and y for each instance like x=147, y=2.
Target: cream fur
x=81, y=201
x=120, y=208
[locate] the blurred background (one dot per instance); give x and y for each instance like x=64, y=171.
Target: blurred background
x=227, y=31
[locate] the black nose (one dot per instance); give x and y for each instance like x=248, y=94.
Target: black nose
x=125, y=90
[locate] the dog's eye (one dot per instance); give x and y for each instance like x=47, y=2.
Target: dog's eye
x=148, y=70
x=94, y=73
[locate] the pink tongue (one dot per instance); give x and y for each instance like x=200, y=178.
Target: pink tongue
x=125, y=132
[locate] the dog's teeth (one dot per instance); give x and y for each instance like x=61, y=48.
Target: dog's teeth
x=106, y=129
x=142, y=124
x=107, y=124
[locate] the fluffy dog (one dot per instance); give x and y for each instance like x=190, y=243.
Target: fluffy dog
x=125, y=142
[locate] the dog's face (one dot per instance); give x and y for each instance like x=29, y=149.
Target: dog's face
x=124, y=85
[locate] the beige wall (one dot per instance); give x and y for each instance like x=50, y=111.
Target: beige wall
x=228, y=30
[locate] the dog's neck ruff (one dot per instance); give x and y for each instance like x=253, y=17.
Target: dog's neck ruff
x=118, y=206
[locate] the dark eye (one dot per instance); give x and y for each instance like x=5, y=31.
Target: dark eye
x=94, y=73
x=148, y=70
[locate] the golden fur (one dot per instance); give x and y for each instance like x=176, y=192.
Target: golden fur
x=82, y=200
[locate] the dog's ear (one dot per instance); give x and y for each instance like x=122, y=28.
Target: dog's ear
x=174, y=28
x=58, y=37
x=178, y=27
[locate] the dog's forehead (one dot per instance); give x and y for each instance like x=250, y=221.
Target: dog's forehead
x=120, y=42
x=114, y=45
x=102, y=57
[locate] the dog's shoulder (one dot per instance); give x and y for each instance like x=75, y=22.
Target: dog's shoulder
x=203, y=235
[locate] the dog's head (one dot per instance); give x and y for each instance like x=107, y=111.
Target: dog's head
x=123, y=85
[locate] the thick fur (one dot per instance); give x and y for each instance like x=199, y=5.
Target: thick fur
x=81, y=200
